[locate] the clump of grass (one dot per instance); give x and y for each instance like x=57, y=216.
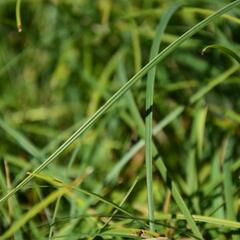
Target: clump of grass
x=65, y=95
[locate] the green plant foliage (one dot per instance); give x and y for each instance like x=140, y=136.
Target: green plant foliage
x=119, y=119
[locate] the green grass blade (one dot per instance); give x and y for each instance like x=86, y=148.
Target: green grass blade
x=36, y=233
x=18, y=16
x=227, y=178
x=135, y=148
x=225, y=50
x=213, y=83
x=136, y=47
x=209, y=188
x=33, y=212
x=51, y=231
x=121, y=203
x=191, y=166
x=202, y=115
x=185, y=10
x=163, y=54
x=228, y=182
x=103, y=79
x=102, y=199
x=72, y=159
x=179, y=200
x=195, y=152
x=21, y=140
x=131, y=102
x=207, y=12
x=215, y=173
x=205, y=219
x=149, y=111
x=14, y=61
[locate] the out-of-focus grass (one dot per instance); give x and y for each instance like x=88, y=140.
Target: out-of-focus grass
x=69, y=59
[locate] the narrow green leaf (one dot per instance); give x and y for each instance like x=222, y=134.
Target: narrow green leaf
x=136, y=47
x=149, y=110
x=21, y=140
x=179, y=200
x=136, y=147
x=225, y=50
x=205, y=219
x=18, y=16
x=215, y=173
x=213, y=83
x=207, y=12
x=131, y=102
x=33, y=212
x=202, y=114
x=228, y=181
x=121, y=203
x=103, y=79
x=227, y=178
x=51, y=231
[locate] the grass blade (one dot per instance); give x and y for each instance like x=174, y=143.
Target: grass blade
x=103, y=80
x=21, y=140
x=149, y=110
x=207, y=12
x=18, y=16
x=204, y=219
x=213, y=83
x=225, y=50
x=215, y=173
x=34, y=211
x=201, y=121
x=131, y=102
x=136, y=47
x=179, y=200
x=227, y=178
x=122, y=202
x=51, y=231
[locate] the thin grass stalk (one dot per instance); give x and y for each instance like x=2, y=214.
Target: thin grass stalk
x=149, y=111
x=18, y=16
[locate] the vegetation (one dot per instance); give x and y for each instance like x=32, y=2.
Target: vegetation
x=119, y=119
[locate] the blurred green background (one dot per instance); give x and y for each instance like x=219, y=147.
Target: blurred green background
x=67, y=62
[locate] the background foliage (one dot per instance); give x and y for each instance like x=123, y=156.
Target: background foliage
x=70, y=58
